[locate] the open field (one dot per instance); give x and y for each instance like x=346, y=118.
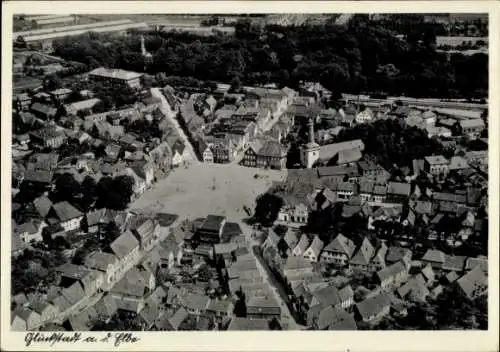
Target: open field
x=174, y=19
x=190, y=192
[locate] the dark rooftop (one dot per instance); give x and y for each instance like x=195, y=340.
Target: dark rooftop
x=165, y=219
x=212, y=223
x=231, y=229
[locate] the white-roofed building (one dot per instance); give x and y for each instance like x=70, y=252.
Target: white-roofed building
x=116, y=77
x=472, y=127
x=436, y=164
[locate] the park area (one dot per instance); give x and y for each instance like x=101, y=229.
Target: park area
x=220, y=189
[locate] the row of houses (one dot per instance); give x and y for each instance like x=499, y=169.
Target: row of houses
x=130, y=286
x=395, y=275
x=124, y=153
x=365, y=182
x=257, y=116
x=48, y=106
x=436, y=122
x=114, y=271
x=343, y=253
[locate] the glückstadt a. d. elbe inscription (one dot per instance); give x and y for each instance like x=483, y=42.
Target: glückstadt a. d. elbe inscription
x=51, y=339
x=248, y=172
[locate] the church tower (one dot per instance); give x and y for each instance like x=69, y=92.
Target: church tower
x=310, y=151
x=143, y=46
x=147, y=56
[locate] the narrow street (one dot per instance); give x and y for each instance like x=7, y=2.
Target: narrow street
x=287, y=319
x=238, y=158
x=167, y=111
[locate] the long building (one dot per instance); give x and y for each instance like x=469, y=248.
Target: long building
x=43, y=17
x=45, y=40
x=432, y=103
x=50, y=21
x=88, y=26
x=116, y=77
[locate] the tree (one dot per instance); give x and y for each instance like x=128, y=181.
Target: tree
x=82, y=113
x=293, y=156
x=89, y=193
x=110, y=233
x=100, y=107
x=322, y=221
x=20, y=42
x=235, y=84
x=454, y=310
x=124, y=187
x=204, y=274
x=90, y=245
x=104, y=188
x=429, y=38
x=52, y=82
x=35, y=269
x=28, y=192
x=73, y=148
x=61, y=243
x=391, y=142
x=115, y=193
x=66, y=188
x=274, y=324
x=281, y=230
x=121, y=321
x=345, y=56
x=163, y=275
x=267, y=207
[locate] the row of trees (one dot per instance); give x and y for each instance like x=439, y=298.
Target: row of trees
x=415, y=23
x=354, y=59
x=110, y=96
x=35, y=269
x=449, y=311
x=112, y=193
x=391, y=142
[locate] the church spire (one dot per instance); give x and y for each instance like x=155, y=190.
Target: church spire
x=143, y=46
x=310, y=151
x=311, y=130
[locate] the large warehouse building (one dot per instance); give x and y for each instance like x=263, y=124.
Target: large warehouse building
x=44, y=37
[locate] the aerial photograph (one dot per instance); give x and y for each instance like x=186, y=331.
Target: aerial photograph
x=182, y=172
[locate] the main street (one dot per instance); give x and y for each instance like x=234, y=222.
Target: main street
x=166, y=109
